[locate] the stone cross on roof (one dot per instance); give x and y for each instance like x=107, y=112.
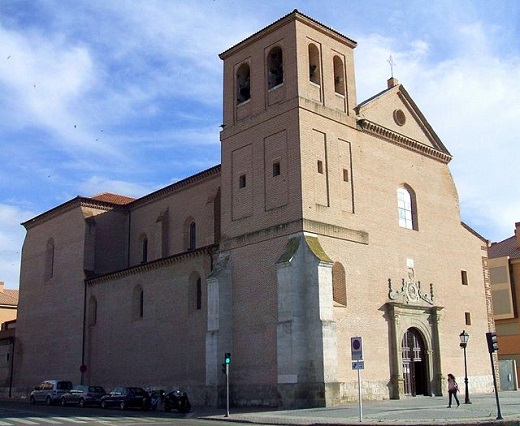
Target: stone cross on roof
x=392, y=63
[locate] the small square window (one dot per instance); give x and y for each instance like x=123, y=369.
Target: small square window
x=464, y=277
x=345, y=175
x=468, y=318
x=320, y=167
x=276, y=169
x=242, y=181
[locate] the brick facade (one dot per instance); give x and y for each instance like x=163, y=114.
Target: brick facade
x=308, y=180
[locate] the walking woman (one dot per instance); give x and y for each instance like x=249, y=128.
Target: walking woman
x=453, y=388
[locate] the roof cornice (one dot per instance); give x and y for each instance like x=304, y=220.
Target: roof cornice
x=295, y=15
x=155, y=264
x=386, y=134
x=71, y=205
x=177, y=186
x=88, y=202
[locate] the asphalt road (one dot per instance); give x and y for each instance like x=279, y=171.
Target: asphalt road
x=408, y=412
x=16, y=413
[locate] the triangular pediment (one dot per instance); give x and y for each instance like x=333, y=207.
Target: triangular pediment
x=392, y=115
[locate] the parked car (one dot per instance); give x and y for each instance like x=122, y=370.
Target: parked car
x=50, y=391
x=83, y=395
x=126, y=397
x=176, y=400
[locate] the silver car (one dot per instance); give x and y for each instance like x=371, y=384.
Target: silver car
x=83, y=395
x=50, y=391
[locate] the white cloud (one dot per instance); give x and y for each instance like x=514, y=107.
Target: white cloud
x=98, y=184
x=42, y=77
x=12, y=234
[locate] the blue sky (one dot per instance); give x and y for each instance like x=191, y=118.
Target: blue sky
x=125, y=96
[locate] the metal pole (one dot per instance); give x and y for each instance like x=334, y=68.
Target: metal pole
x=466, y=396
x=11, y=367
x=359, y=395
x=499, y=413
x=227, y=390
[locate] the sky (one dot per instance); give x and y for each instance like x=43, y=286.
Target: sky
x=126, y=96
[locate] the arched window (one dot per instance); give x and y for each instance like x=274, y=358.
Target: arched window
x=243, y=83
x=92, y=311
x=274, y=67
x=144, y=248
x=141, y=304
x=138, y=303
x=49, y=259
x=162, y=232
x=198, y=290
x=407, y=208
x=314, y=64
x=339, y=76
x=193, y=236
x=195, y=295
x=339, y=284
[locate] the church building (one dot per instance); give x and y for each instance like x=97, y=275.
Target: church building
x=329, y=222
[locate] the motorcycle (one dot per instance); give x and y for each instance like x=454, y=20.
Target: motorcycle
x=154, y=400
x=177, y=400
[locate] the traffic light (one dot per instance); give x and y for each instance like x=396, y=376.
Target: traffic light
x=227, y=358
x=492, y=342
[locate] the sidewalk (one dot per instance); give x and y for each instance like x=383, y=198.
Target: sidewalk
x=411, y=411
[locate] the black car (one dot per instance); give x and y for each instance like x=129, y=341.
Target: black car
x=126, y=397
x=176, y=400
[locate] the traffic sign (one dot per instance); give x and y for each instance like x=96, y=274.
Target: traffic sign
x=358, y=365
x=356, y=348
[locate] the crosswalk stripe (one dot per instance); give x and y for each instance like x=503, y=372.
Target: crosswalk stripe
x=20, y=420
x=69, y=419
x=45, y=420
x=11, y=421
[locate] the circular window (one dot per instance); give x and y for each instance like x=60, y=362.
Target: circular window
x=399, y=117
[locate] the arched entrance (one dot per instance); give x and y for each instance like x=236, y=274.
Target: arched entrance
x=414, y=363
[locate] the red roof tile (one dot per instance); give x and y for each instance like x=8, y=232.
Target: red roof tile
x=113, y=198
x=508, y=247
x=9, y=297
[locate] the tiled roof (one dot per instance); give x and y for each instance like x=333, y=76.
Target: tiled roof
x=508, y=247
x=113, y=198
x=9, y=297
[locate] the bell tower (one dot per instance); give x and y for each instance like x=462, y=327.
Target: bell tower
x=289, y=98
x=289, y=122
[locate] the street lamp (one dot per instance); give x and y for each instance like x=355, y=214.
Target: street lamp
x=464, y=337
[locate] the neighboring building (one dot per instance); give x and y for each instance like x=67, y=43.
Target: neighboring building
x=8, y=303
x=326, y=220
x=504, y=274
x=8, y=309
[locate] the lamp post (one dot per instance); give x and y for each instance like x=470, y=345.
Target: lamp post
x=464, y=337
